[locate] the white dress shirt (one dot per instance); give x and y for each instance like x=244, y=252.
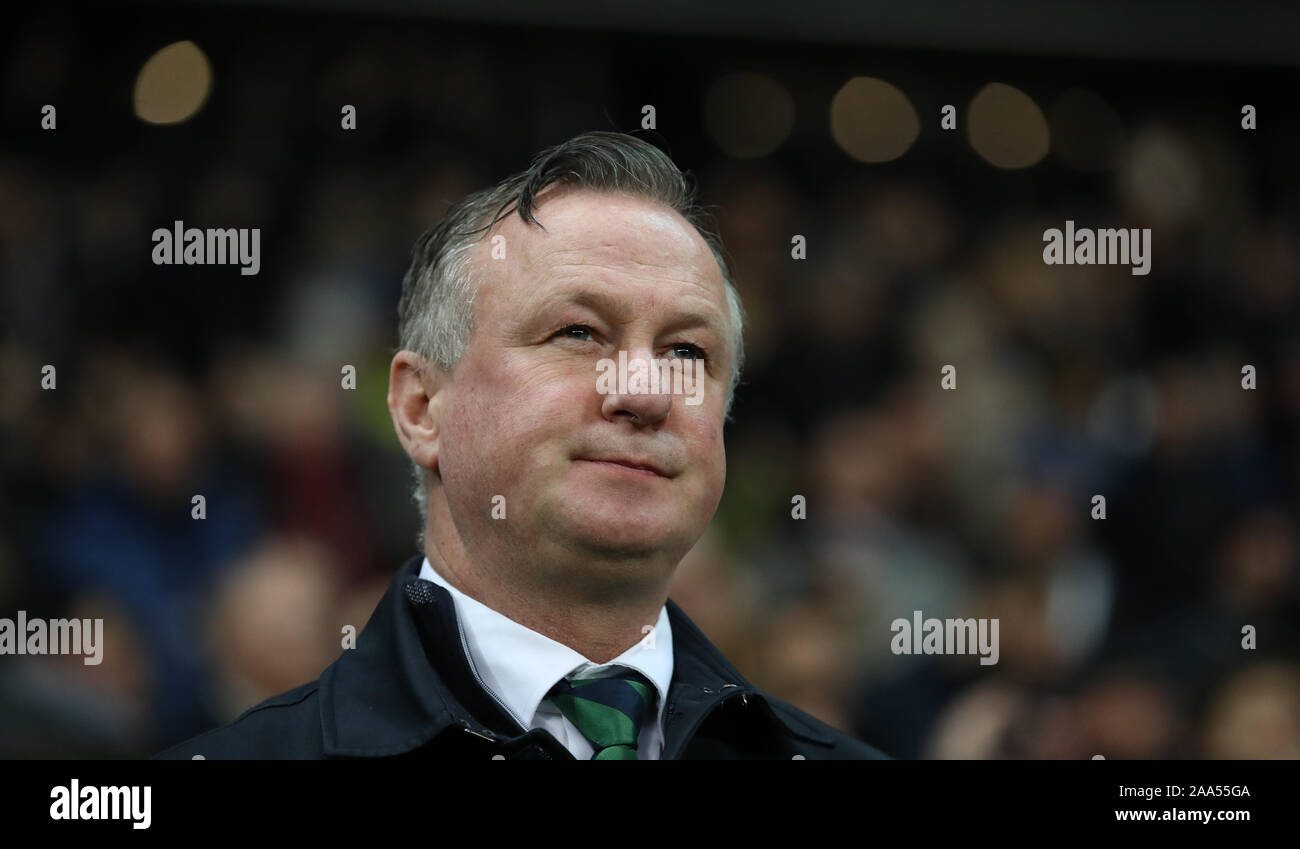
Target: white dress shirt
x=519, y=666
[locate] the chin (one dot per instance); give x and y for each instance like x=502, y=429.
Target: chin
x=622, y=533
x=621, y=539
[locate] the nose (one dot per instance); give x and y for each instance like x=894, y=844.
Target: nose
x=643, y=406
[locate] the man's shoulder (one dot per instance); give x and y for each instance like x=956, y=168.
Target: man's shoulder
x=699, y=662
x=839, y=744
x=286, y=726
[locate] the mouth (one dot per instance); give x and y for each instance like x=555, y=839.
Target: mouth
x=627, y=464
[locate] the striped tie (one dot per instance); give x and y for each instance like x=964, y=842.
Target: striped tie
x=608, y=711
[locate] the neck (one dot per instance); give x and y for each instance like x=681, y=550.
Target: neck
x=584, y=602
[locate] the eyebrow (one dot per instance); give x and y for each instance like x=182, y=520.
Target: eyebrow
x=604, y=302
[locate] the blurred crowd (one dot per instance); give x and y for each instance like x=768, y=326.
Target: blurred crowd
x=1120, y=636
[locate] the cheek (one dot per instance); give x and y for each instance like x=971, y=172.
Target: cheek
x=475, y=426
x=720, y=459
x=502, y=416
x=709, y=453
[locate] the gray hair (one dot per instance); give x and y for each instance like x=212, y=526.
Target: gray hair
x=435, y=314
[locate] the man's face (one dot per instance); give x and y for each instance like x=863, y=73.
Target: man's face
x=524, y=419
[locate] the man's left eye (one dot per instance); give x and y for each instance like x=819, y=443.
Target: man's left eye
x=696, y=352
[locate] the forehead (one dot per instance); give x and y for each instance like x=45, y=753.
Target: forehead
x=605, y=243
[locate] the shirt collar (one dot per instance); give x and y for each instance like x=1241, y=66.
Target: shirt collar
x=519, y=666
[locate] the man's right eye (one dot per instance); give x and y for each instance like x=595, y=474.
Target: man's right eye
x=568, y=332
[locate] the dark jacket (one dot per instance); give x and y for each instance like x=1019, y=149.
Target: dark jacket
x=407, y=690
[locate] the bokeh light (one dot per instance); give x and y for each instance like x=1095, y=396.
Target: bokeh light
x=1006, y=127
x=173, y=85
x=873, y=121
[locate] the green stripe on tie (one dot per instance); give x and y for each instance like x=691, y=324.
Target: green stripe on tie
x=607, y=711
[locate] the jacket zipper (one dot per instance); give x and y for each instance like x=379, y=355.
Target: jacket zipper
x=473, y=668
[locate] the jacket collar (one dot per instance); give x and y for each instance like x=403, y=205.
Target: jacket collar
x=407, y=681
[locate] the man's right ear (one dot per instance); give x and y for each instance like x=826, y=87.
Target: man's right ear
x=416, y=392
